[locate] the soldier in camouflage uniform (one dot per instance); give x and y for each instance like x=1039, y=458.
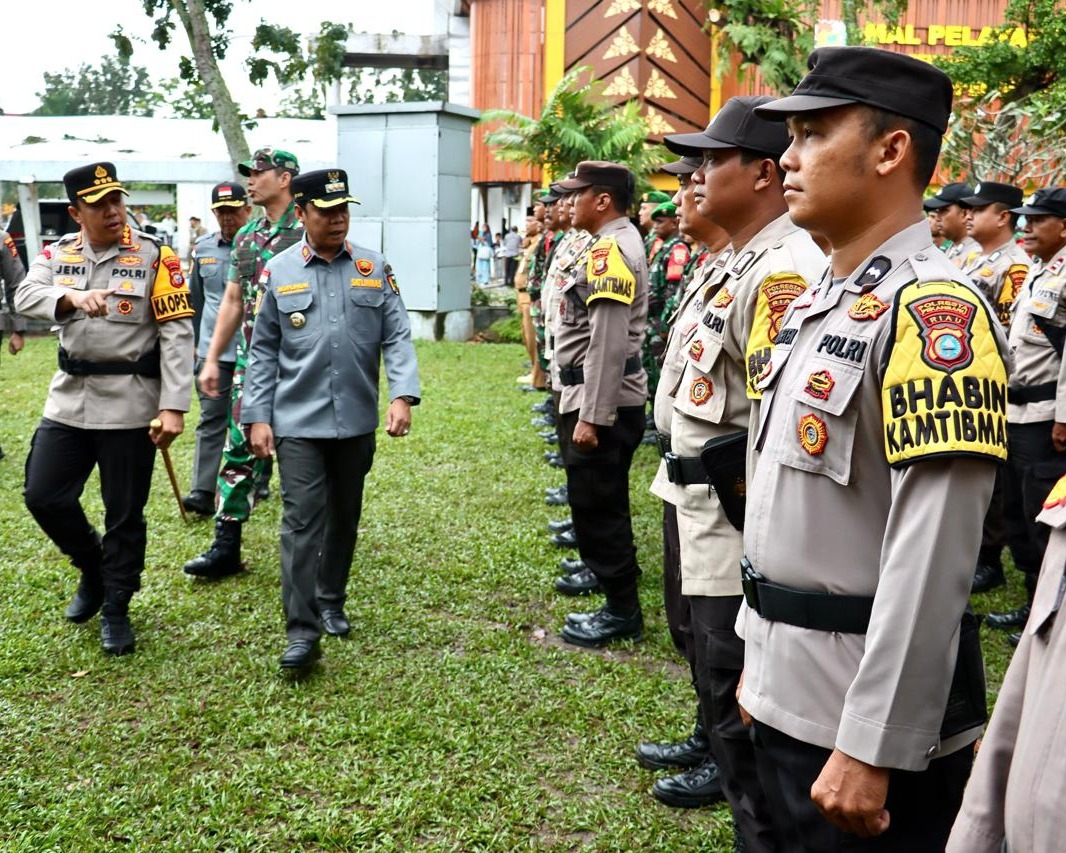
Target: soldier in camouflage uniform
x=664, y=277
x=270, y=173
x=648, y=202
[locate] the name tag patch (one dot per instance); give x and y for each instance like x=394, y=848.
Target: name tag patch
x=374, y=283
x=296, y=287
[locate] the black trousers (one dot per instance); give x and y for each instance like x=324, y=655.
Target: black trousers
x=922, y=805
x=719, y=662
x=322, y=500
x=678, y=612
x=510, y=267
x=993, y=532
x=1033, y=468
x=598, y=484
x=59, y=462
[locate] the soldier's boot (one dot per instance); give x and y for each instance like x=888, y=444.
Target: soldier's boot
x=223, y=558
x=116, y=633
x=90, y=594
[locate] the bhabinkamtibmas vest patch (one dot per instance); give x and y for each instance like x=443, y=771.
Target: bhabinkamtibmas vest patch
x=944, y=391
x=609, y=276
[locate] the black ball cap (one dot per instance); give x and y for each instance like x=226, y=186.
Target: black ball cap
x=322, y=188
x=989, y=192
x=949, y=194
x=736, y=125
x=684, y=166
x=598, y=173
x=1050, y=201
x=228, y=194
x=883, y=79
x=91, y=183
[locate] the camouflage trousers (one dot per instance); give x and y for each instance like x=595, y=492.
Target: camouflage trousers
x=652, y=350
x=241, y=470
x=538, y=326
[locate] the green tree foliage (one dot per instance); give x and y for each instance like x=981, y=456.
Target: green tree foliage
x=577, y=123
x=114, y=87
x=1013, y=99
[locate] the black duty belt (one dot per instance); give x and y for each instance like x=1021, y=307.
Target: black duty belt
x=571, y=375
x=685, y=470
x=819, y=611
x=146, y=365
x=1032, y=393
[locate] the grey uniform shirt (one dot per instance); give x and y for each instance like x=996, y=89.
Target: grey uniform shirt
x=1033, y=358
x=319, y=338
x=963, y=253
x=869, y=483
x=207, y=285
x=148, y=306
x=999, y=275
x=567, y=256
x=1018, y=784
x=12, y=272
x=599, y=331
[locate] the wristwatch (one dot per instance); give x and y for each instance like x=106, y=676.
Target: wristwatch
x=408, y=399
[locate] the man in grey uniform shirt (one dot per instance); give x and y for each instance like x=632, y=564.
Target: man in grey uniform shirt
x=330, y=311
x=12, y=272
x=207, y=284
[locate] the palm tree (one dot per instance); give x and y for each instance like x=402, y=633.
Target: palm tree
x=577, y=123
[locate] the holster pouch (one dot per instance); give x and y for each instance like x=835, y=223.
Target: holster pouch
x=724, y=459
x=967, y=706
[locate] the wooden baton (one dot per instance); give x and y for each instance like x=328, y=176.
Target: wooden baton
x=157, y=424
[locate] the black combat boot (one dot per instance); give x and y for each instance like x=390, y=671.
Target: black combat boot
x=90, y=594
x=223, y=558
x=116, y=634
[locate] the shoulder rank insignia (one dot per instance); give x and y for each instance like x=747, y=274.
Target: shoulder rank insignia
x=995, y=256
x=867, y=307
x=813, y=435
x=743, y=262
x=944, y=391
x=1056, y=265
x=874, y=272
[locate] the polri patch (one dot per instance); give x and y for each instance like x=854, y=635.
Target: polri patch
x=813, y=434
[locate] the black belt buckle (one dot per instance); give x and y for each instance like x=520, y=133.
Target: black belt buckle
x=673, y=467
x=749, y=581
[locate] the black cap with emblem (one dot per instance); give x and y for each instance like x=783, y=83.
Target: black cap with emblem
x=894, y=82
x=91, y=183
x=989, y=192
x=598, y=173
x=322, y=188
x=1050, y=201
x=949, y=194
x=737, y=124
x=228, y=194
x=684, y=166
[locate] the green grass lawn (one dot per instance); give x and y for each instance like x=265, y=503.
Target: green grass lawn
x=453, y=718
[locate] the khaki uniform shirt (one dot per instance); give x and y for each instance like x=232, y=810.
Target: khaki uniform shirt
x=569, y=254
x=1018, y=784
x=883, y=410
x=1033, y=359
x=148, y=304
x=964, y=253
x=999, y=275
x=721, y=352
x=602, y=311
x=12, y=272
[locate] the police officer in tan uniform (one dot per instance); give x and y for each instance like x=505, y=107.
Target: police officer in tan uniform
x=952, y=216
x=1014, y=798
x=125, y=361
x=720, y=353
x=1036, y=400
x=998, y=272
x=601, y=407
x=882, y=418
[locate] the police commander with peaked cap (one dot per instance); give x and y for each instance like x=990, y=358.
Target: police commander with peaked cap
x=330, y=312
x=881, y=423
x=125, y=360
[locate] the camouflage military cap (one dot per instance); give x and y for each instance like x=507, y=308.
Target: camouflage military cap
x=268, y=158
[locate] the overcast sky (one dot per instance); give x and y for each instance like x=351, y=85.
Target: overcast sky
x=62, y=34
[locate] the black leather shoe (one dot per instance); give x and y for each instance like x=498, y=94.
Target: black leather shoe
x=223, y=558
x=553, y=438
x=262, y=492
x=689, y=753
x=561, y=525
x=557, y=500
x=1015, y=638
x=566, y=539
x=580, y=618
x=579, y=583
x=300, y=654
x=200, y=502
x=543, y=407
x=2, y=454
x=334, y=622
x=572, y=564
x=603, y=627
x=116, y=633
x=87, y=600
x=987, y=577
x=1011, y=619
x=544, y=433
x=691, y=789
x=650, y=437
x=557, y=461
x=543, y=421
